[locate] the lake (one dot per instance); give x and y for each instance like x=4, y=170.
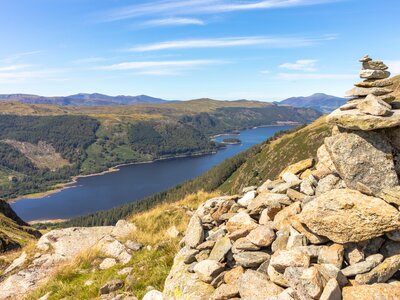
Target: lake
x=132, y=182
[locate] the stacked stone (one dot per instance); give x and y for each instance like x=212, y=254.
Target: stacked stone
x=329, y=230
x=371, y=96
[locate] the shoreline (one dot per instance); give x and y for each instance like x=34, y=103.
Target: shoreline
x=74, y=179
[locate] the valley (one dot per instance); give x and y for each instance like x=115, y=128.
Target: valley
x=90, y=140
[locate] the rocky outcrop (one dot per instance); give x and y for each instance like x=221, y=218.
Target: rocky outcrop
x=324, y=230
x=60, y=247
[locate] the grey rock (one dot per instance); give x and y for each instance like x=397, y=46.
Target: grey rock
x=364, y=266
x=283, y=259
x=255, y=285
x=262, y=236
x=194, y=233
x=372, y=105
x=293, y=277
x=208, y=269
x=111, y=286
x=221, y=248
x=281, y=241
x=225, y=291
x=307, y=188
x=374, y=65
x=191, y=256
x=134, y=246
x=374, y=74
x=390, y=248
x=251, y=259
x=364, y=157
x=381, y=273
x=326, y=184
x=331, y=291
x=348, y=216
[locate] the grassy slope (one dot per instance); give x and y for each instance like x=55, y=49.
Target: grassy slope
x=275, y=156
x=150, y=267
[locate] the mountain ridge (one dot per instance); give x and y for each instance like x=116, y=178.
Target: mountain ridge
x=319, y=101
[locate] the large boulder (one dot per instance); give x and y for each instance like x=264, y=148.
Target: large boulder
x=354, y=119
x=363, y=158
x=348, y=216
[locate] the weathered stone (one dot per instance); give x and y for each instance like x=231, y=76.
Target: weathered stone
x=374, y=74
x=356, y=120
x=350, y=105
x=134, y=246
x=290, y=177
x=362, y=92
x=394, y=235
x=263, y=268
x=194, y=233
x=191, y=256
x=303, y=229
x=107, y=263
x=298, y=167
x=216, y=234
x=251, y=259
x=269, y=185
x=202, y=255
x=387, y=98
x=116, y=250
x=287, y=294
x=312, y=282
x=330, y=271
x=18, y=262
x=364, y=157
x=268, y=200
x=233, y=275
x=373, y=246
x=246, y=199
x=282, y=218
x=282, y=259
x=374, y=65
x=208, y=269
x=206, y=245
x=295, y=195
x=307, y=188
x=173, y=232
x=281, y=241
x=283, y=187
x=249, y=189
x=218, y=280
x=363, y=266
x=390, y=248
x=332, y=255
x=381, y=273
x=326, y=184
x=152, y=295
x=224, y=292
x=391, y=195
x=262, y=236
x=276, y=277
x=241, y=220
x=365, y=58
x=220, y=249
x=372, y=105
x=237, y=234
x=374, y=83
x=324, y=158
x=296, y=239
x=353, y=253
x=331, y=291
x=265, y=217
x=379, y=291
x=111, y=286
x=293, y=277
x=349, y=216
x=311, y=250
x=255, y=285
x=125, y=271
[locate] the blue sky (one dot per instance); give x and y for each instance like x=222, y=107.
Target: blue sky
x=255, y=49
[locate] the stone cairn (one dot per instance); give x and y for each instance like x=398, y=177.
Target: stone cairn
x=326, y=229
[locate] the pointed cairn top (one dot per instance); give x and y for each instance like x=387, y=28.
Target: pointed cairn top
x=369, y=106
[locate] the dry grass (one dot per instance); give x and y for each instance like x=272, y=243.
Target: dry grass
x=150, y=265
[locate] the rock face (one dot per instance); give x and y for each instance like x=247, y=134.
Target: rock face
x=328, y=231
x=348, y=216
x=60, y=247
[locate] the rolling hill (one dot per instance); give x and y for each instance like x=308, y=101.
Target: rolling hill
x=81, y=99
x=319, y=101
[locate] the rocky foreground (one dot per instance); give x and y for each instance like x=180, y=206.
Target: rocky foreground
x=323, y=230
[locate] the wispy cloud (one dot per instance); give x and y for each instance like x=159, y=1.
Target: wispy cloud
x=19, y=73
x=307, y=65
x=172, y=22
x=314, y=76
x=166, y=67
x=18, y=56
x=272, y=42
x=193, y=7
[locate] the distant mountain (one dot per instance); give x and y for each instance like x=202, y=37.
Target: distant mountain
x=321, y=102
x=82, y=99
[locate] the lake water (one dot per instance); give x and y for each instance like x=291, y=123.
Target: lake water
x=133, y=182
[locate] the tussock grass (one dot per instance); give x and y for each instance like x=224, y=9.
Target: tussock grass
x=150, y=265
